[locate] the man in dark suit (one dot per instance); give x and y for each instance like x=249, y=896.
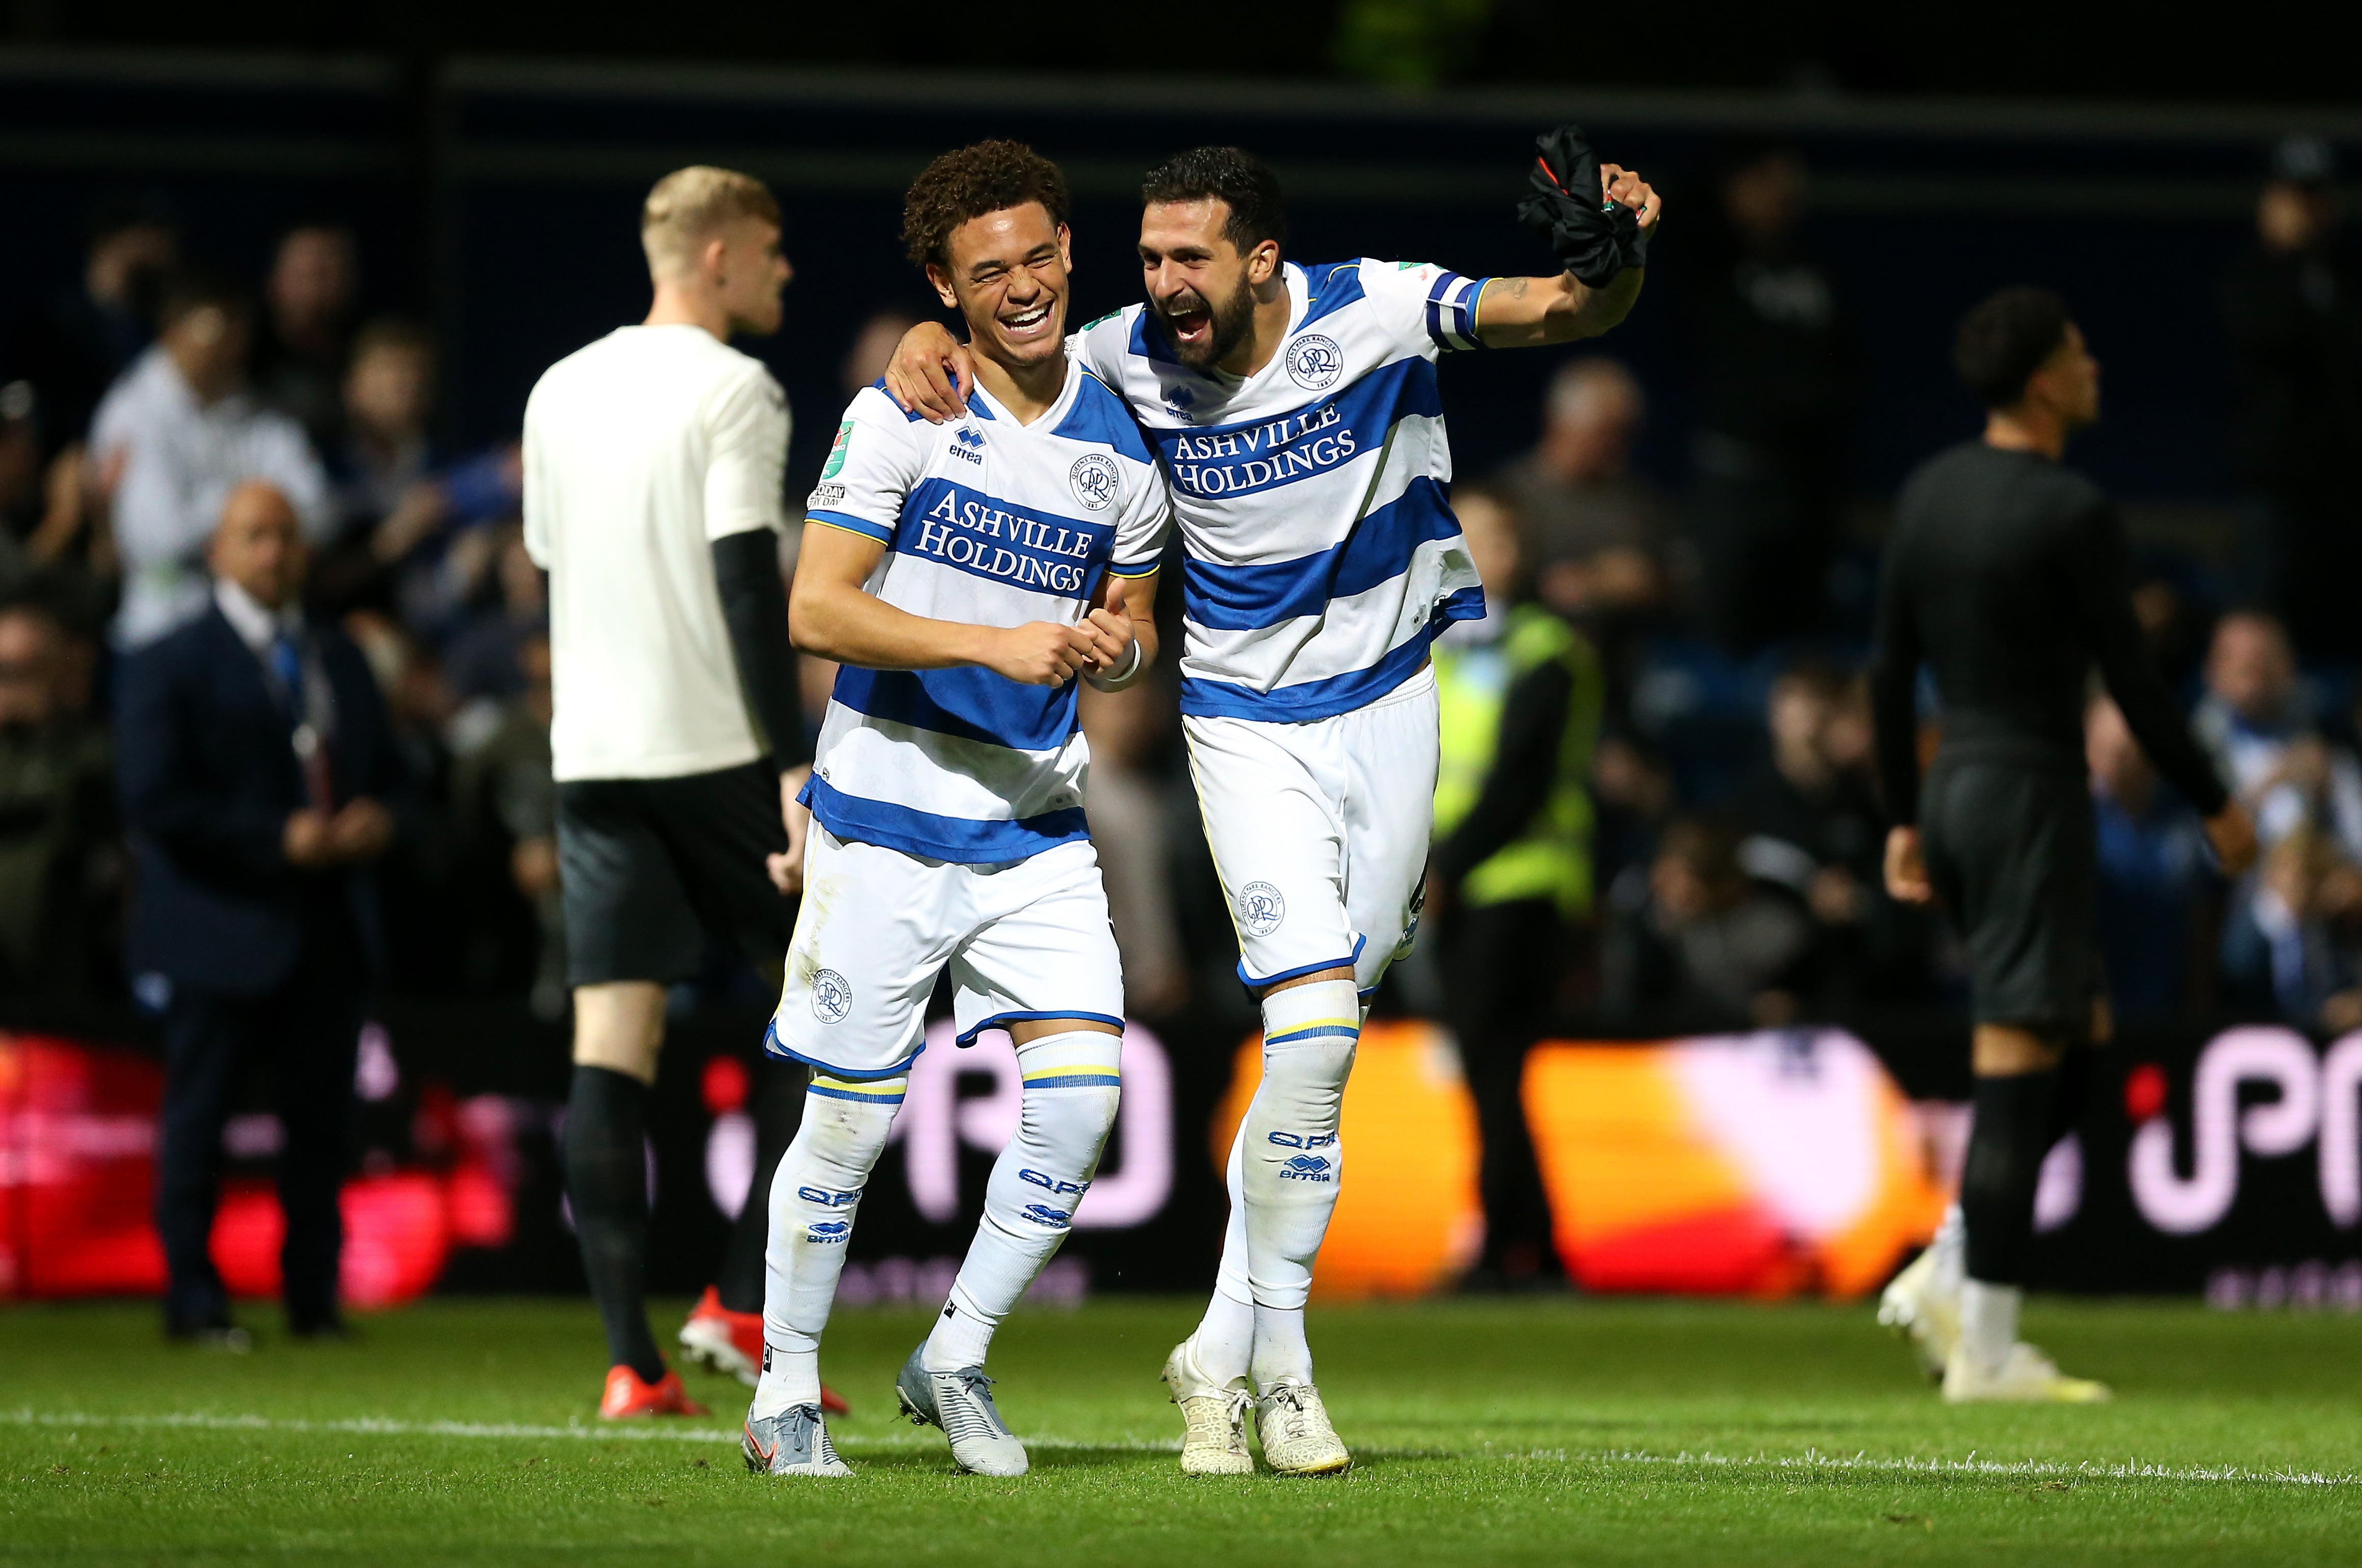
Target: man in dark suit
x=255, y=760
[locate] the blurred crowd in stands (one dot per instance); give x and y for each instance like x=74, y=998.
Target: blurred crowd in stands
x=1667, y=689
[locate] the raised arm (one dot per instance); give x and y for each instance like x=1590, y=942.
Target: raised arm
x=830, y=613
x=1526, y=313
x=1598, y=218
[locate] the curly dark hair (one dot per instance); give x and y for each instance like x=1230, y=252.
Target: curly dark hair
x=971, y=181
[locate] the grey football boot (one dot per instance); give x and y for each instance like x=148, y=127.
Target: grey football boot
x=961, y=1404
x=793, y=1442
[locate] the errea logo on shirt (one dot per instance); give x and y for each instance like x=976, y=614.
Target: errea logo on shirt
x=968, y=443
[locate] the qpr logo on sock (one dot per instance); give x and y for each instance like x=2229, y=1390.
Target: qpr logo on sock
x=1261, y=908
x=1315, y=362
x=1093, y=480
x=831, y=996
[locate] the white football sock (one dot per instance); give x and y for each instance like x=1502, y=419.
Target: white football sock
x=1071, y=1088
x=1951, y=1248
x=1290, y=1162
x=813, y=1196
x=1988, y=1323
x=1224, y=1342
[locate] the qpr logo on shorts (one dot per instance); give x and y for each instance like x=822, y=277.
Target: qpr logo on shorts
x=1315, y=362
x=831, y=996
x=1094, y=481
x=1261, y=908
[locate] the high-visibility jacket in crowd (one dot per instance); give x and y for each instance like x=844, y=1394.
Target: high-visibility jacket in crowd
x=1551, y=858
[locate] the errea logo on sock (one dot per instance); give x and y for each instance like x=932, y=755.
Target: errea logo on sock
x=1305, y=1167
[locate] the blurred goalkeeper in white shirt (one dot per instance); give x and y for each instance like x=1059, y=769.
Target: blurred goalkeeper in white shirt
x=654, y=463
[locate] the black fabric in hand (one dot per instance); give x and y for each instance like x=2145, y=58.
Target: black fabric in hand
x=1593, y=237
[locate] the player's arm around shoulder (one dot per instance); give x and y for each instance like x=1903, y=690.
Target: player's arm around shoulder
x=1602, y=240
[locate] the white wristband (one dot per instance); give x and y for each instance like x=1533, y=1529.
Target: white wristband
x=1130, y=667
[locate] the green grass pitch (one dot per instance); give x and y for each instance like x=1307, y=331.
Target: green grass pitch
x=1585, y=1431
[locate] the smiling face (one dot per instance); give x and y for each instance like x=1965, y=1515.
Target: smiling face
x=1200, y=288
x=1007, y=273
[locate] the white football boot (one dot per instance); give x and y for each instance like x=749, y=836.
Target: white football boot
x=1297, y=1437
x=2025, y=1376
x=961, y=1404
x=793, y=1442
x=1923, y=1305
x=1214, y=1416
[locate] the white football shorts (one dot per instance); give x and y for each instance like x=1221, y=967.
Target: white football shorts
x=1319, y=832
x=1028, y=939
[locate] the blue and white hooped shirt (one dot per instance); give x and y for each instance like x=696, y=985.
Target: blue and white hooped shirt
x=989, y=523
x=1313, y=497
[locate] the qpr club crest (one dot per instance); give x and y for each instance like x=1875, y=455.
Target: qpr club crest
x=1093, y=480
x=1315, y=362
x=1261, y=908
x=831, y=996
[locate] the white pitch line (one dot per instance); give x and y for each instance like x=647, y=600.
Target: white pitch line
x=373, y=1426
x=2028, y=1469
x=1811, y=1460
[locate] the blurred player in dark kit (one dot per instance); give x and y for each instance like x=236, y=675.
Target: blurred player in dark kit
x=2009, y=576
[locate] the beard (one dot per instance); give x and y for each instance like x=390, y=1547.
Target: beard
x=1229, y=320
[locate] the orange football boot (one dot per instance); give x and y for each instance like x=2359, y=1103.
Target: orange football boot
x=731, y=1344
x=628, y=1395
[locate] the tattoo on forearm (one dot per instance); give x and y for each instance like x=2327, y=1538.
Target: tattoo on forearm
x=1517, y=287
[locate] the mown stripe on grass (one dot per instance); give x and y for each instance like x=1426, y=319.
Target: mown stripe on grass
x=2128, y=1469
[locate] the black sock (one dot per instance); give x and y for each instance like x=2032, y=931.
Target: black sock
x=2012, y=1131
x=2074, y=1093
x=607, y=1184
x=779, y=1108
